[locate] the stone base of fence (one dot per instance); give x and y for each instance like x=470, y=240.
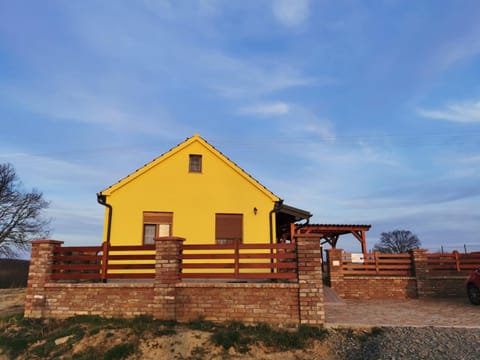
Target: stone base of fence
x=109, y=300
x=379, y=287
x=166, y=297
x=444, y=286
x=247, y=302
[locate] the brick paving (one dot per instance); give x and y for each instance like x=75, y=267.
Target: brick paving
x=452, y=312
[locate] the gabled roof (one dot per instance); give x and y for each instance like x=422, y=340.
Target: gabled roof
x=178, y=148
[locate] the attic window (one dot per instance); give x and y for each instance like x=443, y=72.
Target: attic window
x=195, y=164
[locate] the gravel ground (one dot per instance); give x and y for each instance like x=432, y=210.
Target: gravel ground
x=406, y=343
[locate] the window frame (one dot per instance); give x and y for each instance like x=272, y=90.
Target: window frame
x=145, y=225
x=157, y=223
x=195, y=163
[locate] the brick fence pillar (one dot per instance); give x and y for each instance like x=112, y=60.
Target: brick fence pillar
x=167, y=274
x=39, y=273
x=309, y=256
x=335, y=271
x=420, y=267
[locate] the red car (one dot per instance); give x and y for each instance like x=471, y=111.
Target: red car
x=473, y=287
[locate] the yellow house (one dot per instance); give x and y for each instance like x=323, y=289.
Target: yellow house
x=195, y=192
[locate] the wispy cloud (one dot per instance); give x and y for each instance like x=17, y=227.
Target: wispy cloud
x=234, y=78
x=272, y=108
x=463, y=47
x=471, y=159
x=419, y=194
x=291, y=13
x=88, y=104
x=374, y=154
x=306, y=122
x=51, y=173
x=464, y=112
x=215, y=68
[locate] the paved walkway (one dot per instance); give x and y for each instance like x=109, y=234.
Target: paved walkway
x=454, y=312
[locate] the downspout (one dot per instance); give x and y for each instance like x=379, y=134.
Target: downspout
x=276, y=207
x=102, y=200
x=307, y=221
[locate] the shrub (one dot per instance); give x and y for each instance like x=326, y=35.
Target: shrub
x=201, y=324
x=121, y=351
x=239, y=336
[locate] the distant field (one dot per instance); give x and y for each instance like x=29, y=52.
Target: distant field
x=13, y=273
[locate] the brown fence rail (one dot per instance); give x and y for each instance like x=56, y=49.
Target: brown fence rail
x=131, y=262
x=239, y=261
x=445, y=264
x=103, y=262
x=378, y=264
x=77, y=263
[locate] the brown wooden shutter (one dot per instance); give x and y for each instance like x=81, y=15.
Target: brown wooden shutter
x=229, y=227
x=157, y=217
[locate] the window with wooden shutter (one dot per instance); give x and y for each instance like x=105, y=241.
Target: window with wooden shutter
x=228, y=228
x=156, y=224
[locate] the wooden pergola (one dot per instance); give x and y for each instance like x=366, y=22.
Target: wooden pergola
x=330, y=233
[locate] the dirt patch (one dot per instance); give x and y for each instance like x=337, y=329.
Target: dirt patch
x=184, y=344
x=12, y=301
x=88, y=337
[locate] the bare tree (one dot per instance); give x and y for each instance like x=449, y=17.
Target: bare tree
x=397, y=242
x=20, y=214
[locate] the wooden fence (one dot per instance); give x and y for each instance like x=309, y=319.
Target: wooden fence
x=77, y=263
x=378, y=264
x=441, y=264
x=237, y=261
x=103, y=262
x=402, y=264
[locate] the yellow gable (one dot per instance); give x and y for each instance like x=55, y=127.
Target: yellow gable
x=192, y=144
x=192, y=197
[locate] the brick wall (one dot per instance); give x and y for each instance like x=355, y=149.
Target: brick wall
x=445, y=286
x=246, y=302
x=110, y=300
x=167, y=298
x=378, y=287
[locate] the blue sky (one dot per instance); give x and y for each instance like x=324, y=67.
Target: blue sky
x=358, y=111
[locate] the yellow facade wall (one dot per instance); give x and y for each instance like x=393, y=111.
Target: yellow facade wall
x=166, y=185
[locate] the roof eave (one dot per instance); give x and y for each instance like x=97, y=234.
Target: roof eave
x=297, y=213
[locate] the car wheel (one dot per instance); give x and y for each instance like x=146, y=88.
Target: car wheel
x=473, y=294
